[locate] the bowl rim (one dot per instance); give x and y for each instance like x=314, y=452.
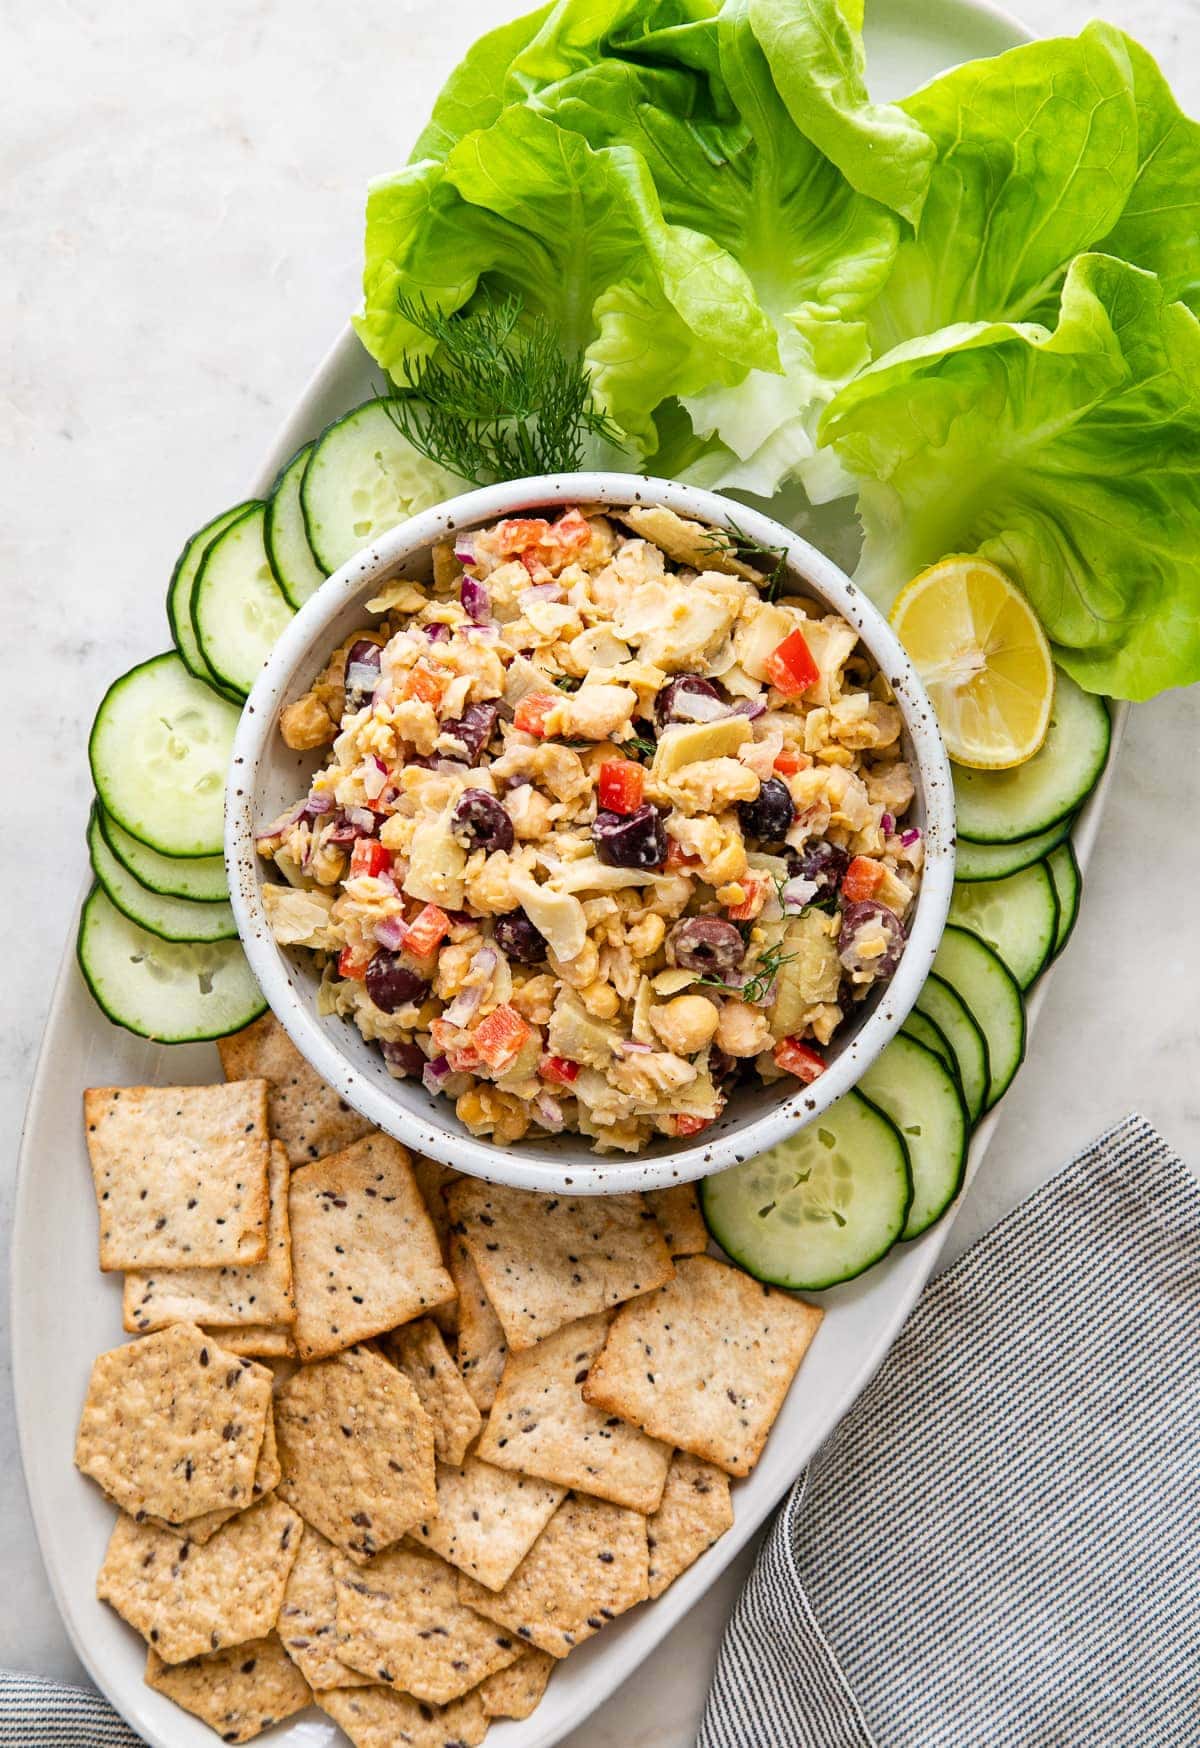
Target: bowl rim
x=582, y=1172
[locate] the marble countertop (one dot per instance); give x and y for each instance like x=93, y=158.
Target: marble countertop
x=180, y=245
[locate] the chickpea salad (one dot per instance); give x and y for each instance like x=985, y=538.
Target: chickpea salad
x=609, y=820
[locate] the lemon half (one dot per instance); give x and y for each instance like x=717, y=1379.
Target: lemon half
x=977, y=644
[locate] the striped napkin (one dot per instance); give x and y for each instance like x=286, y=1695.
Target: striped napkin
x=999, y=1547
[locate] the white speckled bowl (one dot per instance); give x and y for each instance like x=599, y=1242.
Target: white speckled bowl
x=267, y=777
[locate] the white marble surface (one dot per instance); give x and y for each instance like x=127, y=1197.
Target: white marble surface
x=180, y=237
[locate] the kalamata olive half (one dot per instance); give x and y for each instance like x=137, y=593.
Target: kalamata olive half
x=391, y=983
x=405, y=1060
x=862, y=926
x=479, y=822
x=362, y=672
x=630, y=840
x=769, y=815
x=707, y=944
x=474, y=728
x=517, y=937
x=822, y=863
x=667, y=700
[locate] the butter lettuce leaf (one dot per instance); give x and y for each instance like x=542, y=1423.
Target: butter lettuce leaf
x=1070, y=457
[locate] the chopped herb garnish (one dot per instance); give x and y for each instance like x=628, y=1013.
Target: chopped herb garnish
x=760, y=979
x=568, y=683
x=734, y=541
x=639, y=747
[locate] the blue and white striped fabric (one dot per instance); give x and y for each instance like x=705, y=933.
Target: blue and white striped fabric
x=999, y=1547
x=49, y=1714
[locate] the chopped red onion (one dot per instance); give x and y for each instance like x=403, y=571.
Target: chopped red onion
x=887, y=824
x=751, y=707
x=631, y=1047
x=362, y=679
x=436, y=632
x=436, y=1073
x=462, y=1009
x=363, y=820
x=464, y=548
x=540, y=592
x=798, y=892
x=549, y=1112
x=390, y=933
x=910, y=837
x=315, y=804
x=477, y=603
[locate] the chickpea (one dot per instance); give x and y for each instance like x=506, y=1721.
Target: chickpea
x=742, y=1030
x=601, y=1000
x=647, y=936
x=686, y=1024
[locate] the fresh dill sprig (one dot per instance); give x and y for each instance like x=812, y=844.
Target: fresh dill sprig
x=760, y=979
x=497, y=398
x=733, y=541
x=568, y=683
x=639, y=747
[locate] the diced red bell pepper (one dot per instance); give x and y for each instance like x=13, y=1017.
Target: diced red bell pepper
x=531, y=713
x=421, y=682
x=516, y=534
x=622, y=785
x=449, y=1042
x=571, y=534
x=368, y=857
x=684, y=1125
x=353, y=964
x=428, y=930
x=862, y=879
x=790, y=665
x=789, y=760
x=499, y=1038
x=755, y=888
x=538, y=571
x=678, y=857
x=799, y=1059
x=560, y=1069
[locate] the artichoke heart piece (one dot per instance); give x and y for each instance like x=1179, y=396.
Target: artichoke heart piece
x=687, y=743
x=437, y=863
x=810, y=972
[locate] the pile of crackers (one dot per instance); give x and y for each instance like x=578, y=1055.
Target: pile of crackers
x=488, y=1423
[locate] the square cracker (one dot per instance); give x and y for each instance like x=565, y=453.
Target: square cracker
x=356, y=1450
x=696, y=1511
x=547, y=1260
x=482, y=1349
x=364, y=1251
x=303, y=1110
x=487, y=1519
x=261, y=1341
x=541, y=1425
x=180, y=1173
x=308, y=1619
x=432, y=1178
x=172, y=1425
x=677, y=1210
x=379, y=1717
x=517, y=1691
x=705, y=1362
x=402, y=1623
x=238, y=1692
x=185, y=1600
x=589, y=1565
x=266, y=1478
x=421, y=1354
x=245, y=1294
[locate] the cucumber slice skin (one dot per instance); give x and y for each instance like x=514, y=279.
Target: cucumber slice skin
x=992, y=995
x=958, y=1025
x=179, y=590
x=1024, y=932
x=110, y=949
x=994, y=807
x=930, y=1034
x=730, y=1202
x=293, y=565
x=200, y=878
x=974, y=861
x=234, y=579
x=171, y=919
x=1068, y=886
x=914, y=1089
x=140, y=807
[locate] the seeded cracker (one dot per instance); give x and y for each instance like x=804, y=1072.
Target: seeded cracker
x=244, y=1294
x=356, y=1449
x=589, y=1565
x=172, y=1425
x=677, y=1211
x=517, y=1691
x=482, y=1349
x=421, y=1354
x=432, y=1179
x=487, y=1519
x=261, y=1341
x=696, y=1511
x=401, y=1621
x=541, y=1425
x=705, y=1362
x=308, y=1618
x=304, y=1112
x=378, y=1717
x=180, y=1174
x=364, y=1250
x=547, y=1260
x=185, y=1600
x=266, y=1478
x=238, y=1692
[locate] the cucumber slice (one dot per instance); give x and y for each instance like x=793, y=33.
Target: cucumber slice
x=237, y=610
x=1016, y=916
x=974, y=861
x=957, y=1024
x=159, y=750
x=1068, y=886
x=819, y=1208
x=994, y=807
x=179, y=589
x=363, y=477
x=912, y=1087
x=929, y=1033
x=288, y=552
x=175, y=992
x=200, y=878
x=991, y=993
x=171, y=919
